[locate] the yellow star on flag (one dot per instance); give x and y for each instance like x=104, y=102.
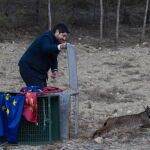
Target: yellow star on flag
x=3, y=108
x=7, y=111
x=7, y=97
x=14, y=102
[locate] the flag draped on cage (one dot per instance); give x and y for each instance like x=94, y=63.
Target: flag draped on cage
x=30, y=108
x=30, y=111
x=11, y=107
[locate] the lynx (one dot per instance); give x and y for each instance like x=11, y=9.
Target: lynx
x=133, y=121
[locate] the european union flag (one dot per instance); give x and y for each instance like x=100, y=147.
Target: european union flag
x=1, y=118
x=11, y=107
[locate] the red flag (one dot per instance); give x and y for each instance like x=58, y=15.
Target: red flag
x=30, y=107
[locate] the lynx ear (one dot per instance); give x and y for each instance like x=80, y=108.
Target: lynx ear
x=147, y=108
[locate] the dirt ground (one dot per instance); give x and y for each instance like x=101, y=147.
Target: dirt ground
x=112, y=82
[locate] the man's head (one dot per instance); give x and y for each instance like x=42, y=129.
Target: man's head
x=61, y=32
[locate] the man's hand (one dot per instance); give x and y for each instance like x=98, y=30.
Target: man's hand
x=54, y=74
x=63, y=46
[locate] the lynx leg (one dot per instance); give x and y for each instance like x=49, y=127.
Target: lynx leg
x=101, y=131
x=95, y=133
x=108, y=125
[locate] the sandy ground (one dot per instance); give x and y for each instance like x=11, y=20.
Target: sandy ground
x=111, y=83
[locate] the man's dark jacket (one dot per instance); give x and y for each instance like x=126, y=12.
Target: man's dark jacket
x=41, y=56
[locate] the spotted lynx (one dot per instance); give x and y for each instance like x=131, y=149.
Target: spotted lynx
x=133, y=121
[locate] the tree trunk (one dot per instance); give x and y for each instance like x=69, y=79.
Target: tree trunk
x=106, y=18
x=49, y=15
x=37, y=11
x=144, y=22
x=101, y=21
x=94, y=12
x=118, y=20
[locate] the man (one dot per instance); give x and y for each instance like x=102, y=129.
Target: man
x=42, y=56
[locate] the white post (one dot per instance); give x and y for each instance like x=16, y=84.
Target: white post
x=73, y=81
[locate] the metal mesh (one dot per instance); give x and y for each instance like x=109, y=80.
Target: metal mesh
x=48, y=123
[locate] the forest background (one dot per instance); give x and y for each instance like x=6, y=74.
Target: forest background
x=106, y=21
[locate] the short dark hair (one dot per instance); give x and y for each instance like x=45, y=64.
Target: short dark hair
x=61, y=27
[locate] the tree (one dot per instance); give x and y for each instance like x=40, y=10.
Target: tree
x=118, y=20
x=37, y=11
x=49, y=15
x=101, y=21
x=144, y=22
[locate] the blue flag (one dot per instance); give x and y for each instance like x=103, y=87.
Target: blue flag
x=11, y=107
x=1, y=118
x=31, y=89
